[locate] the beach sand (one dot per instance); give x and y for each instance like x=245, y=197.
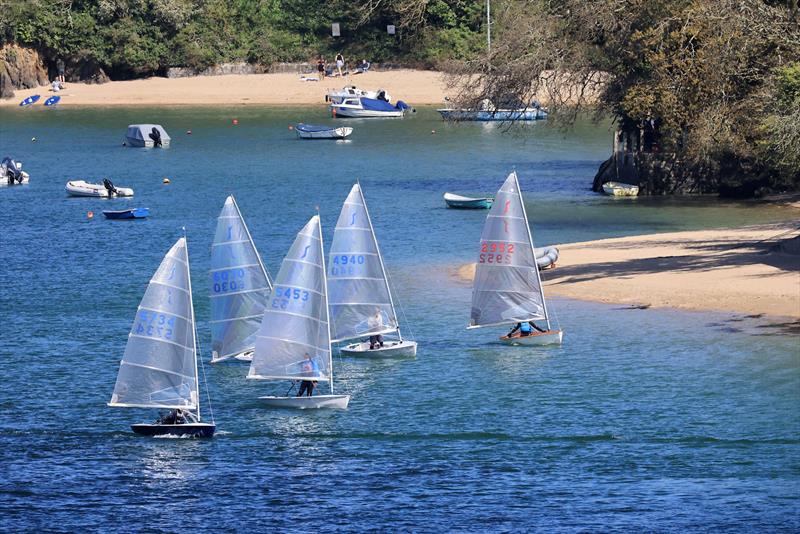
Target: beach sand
x=415, y=87
x=737, y=270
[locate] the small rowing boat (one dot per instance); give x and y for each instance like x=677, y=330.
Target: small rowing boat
x=619, y=189
x=467, y=203
x=313, y=131
x=132, y=213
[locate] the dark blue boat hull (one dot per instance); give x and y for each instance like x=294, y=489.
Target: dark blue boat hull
x=198, y=430
x=133, y=213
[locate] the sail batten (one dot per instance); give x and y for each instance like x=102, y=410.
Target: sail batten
x=506, y=287
x=293, y=341
x=360, y=299
x=158, y=368
x=240, y=285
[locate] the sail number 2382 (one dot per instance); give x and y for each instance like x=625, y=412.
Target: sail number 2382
x=496, y=252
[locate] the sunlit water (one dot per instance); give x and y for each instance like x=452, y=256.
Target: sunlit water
x=642, y=420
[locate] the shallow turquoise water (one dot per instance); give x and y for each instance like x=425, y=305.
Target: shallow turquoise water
x=642, y=420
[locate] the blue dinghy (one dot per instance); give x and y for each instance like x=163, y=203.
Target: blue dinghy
x=132, y=213
x=313, y=131
x=30, y=100
x=467, y=203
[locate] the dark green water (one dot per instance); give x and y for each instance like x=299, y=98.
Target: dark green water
x=642, y=420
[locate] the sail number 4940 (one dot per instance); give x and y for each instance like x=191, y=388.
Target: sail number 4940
x=496, y=252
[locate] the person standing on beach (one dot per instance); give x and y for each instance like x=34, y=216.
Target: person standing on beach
x=321, y=68
x=60, y=69
x=339, y=63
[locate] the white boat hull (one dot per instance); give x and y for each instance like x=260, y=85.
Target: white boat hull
x=246, y=356
x=4, y=181
x=391, y=349
x=81, y=188
x=618, y=189
x=345, y=111
x=338, y=402
x=334, y=133
x=551, y=337
x=139, y=143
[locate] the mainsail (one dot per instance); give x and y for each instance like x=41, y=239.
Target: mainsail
x=159, y=368
x=360, y=300
x=506, y=288
x=295, y=322
x=240, y=286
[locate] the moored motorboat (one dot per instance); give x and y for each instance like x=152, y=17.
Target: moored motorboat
x=619, y=189
x=467, y=203
x=11, y=173
x=363, y=107
x=82, y=188
x=131, y=213
x=147, y=135
x=313, y=131
x=337, y=96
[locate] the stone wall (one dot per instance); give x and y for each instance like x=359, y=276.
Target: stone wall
x=20, y=68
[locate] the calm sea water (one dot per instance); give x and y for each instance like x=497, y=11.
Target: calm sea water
x=643, y=420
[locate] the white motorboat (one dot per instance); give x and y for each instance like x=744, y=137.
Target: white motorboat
x=351, y=90
x=240, y=287
x=294, y=340
x=361, y=301
x=312, y=131
x=147, y=135
x=507, y=288
x=159, y=365
x=363, y=107
x=11, y=173
x=619, y=189
x=489, y=112
x=82, y=188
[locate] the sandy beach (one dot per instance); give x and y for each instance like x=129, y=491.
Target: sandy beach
x=741, y=270
x=416, y=87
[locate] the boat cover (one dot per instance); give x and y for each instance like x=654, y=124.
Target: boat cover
x=142, y=132
x=373, y=104
x=311, y=128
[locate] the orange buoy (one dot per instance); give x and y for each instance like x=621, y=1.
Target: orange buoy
x=333, y=112
x=235, y=122
x=90, y=214
x=291, y=127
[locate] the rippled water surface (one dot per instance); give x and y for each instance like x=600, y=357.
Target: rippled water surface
x=643, y=420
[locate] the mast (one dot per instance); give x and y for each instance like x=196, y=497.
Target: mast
x=194, y=324
x=247, y=230
x=327, y=308
x=533, y=250
x=380, y=258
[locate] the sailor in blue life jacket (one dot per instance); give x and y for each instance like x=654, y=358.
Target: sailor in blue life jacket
x=309, y=368
x=525, y=329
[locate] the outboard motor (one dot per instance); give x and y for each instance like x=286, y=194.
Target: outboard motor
x=13, y=172
x=155, y=135
x=402, y=105
x=109, y=187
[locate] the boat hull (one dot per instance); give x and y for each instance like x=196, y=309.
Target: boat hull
x=551, y=337
x=359, y=113
x=245, y=356
x=25, y=180
x=466, y=203
x=141, y=143
x=333, y=133
x=337, y=402
x=618, y=189
x=489, y=116
x=134, y=213
x=198, y=430
x=391, y=349
x=81, y=188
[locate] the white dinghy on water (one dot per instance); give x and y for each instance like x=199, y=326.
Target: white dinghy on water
x=507, y=288
x=240, y=287
x=159, y=366
x=294, y=341
x=360, y=299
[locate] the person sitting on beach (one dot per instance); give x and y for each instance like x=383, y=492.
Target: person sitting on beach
x=308, y=368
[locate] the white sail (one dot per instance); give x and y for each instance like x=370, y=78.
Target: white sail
x=506, y=288
x=360, y=300
x=240, y=286
x=159, y=368
x=295, y=322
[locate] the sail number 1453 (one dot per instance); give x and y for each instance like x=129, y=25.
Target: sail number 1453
x=496, y=252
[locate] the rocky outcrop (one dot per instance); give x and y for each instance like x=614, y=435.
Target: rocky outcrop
x=86, y=71
x=20, y=68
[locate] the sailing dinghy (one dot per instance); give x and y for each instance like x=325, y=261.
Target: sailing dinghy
x=240, y=287
x=360, y=299
x=507, y=288
x=159, y=366
x=294, y=341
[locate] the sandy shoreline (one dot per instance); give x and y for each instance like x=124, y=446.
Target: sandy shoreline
x=416, y=87
x=734, y=270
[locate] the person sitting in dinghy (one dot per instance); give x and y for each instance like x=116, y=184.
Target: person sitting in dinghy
x=525, y=329
x=308, y=368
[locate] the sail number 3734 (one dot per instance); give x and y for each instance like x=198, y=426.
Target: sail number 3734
x=496, y=252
